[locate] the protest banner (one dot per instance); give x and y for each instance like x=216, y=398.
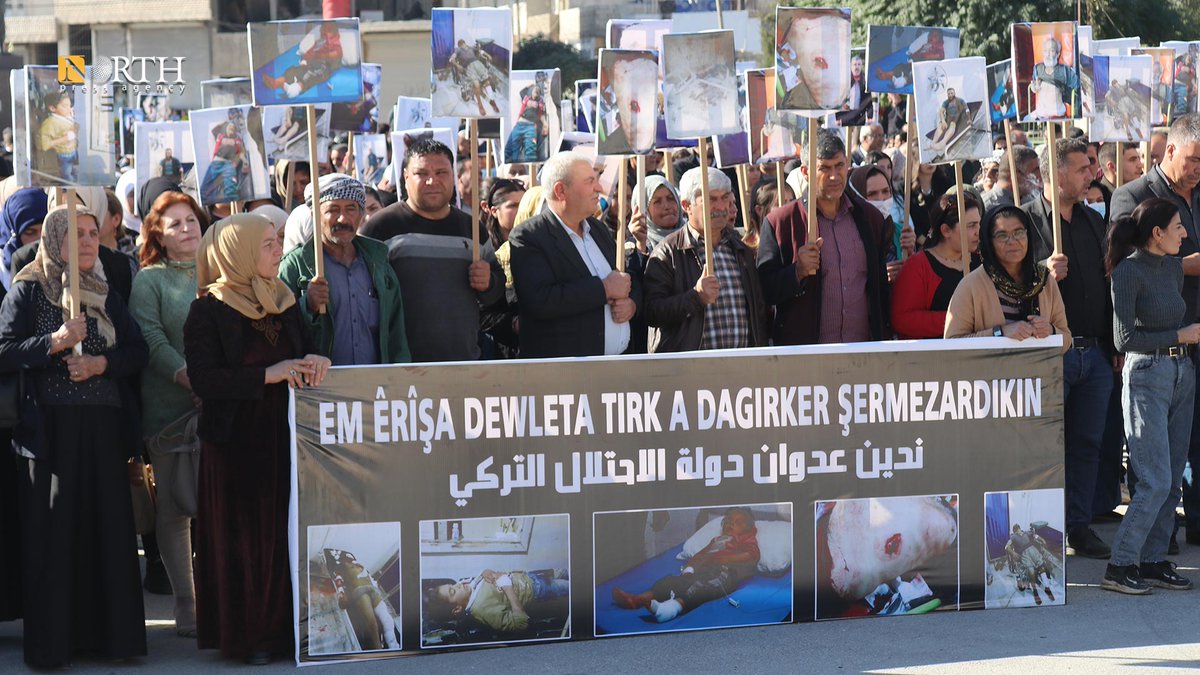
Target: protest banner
x=812, y=58
x=880, y=479
x=231, y=159
x=1045, y=62
x=1121, y=87
x=891, y=51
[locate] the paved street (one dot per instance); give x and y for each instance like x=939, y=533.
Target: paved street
x=1096, y=632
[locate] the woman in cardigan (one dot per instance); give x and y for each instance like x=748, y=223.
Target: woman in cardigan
x=162, y=293
x=245, y=343
x=922, y=292
x=78, y=428
x=1009, y=295
x=1151, y=329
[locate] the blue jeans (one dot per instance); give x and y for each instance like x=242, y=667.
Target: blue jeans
x=547, y=586
x=1158, y=404
x=522, y=145
x=1087, y=384
x=68, y=166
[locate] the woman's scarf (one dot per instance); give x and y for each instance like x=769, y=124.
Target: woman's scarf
x=1013, y=289
x=655, y=233
x=24, y=208
x=227, y=267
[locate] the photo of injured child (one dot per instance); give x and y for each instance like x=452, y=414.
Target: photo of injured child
x=1001, y=102
x=361, y=116
x=692, y=568
x=1162, y=79
x=891, y=51
x=353, y=589
x=1024, y=548
x=812, y=58
x=370, y=157
x=495, y=580
x=886, y=556
x=628, y=96
x=230, y=159
x=472, y=61
x=952, y=115
x=285, y=130
x=1046, y=63
x=532, y=127
x=700, y=84
x=305, y=62
x=1122, y=98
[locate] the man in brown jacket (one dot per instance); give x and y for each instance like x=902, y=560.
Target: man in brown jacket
x=688, y=309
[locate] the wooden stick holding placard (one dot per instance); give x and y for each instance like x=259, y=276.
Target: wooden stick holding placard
x=709, y=268
x=473, y=126
x=743, y=176
x=910, y=157
x=964, y=240
x=811, y=162
x=1013, y=176
x=1120, y=161
x=622, y=205
x=668, y=167
x=73, y=255
x=290, y=171
x=641, y=196
x=487, y=158
x=310, y=112
x=779, y=183
x=348, y=161
x=1052, y=151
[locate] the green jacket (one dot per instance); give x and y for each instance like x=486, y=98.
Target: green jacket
x=296, y=270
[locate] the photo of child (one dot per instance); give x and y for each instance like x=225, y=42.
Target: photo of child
x=812, y=58
x=495, y=580
x=70, y=137
x=370, y=157
x=1024, y=548
x=354, y=586
x=692, y=568
x=231, y=162
x=362, y=116
x=472, y=61
x=891, y=51
x=532, y=126
x=305, y=62
x=285, y=130
x=628, y=97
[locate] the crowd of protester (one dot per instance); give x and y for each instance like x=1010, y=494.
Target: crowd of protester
x=193, y=322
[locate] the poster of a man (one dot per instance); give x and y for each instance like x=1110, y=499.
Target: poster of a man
x=952, y=116
x=163, y=149
x=858, y=105
x=1187, y=60
x=472, y=61
x=812, y=58
x=130, y=117
x=532, y=127
x=1122, y=98
x=1001, y=102
x=1024, y=548
x=285, y=130
x=700, y=85
x=628, y=98
x=891, y=51
x=1162, y=81
x=306, y=62
x=1046, y=71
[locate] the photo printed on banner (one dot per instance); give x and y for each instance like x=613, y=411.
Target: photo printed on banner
x=1046, y=71
x=354, y=589
x=700, y=84
x=886, y=556
x=226, y=92
x=495, y=580
x=1122, y=98
x=472, y=60
x=628, y=86
x=71, y=138
x=370, y=157
x=285, y=130
x=1001, y=101
x=891, y=51
x=163, y=150
x=1024, y=549
x=302, y=61
x=531, y=129
x=681, y=569
x=1162, y=81
x=1187, y=61
x=952, y=110
x=361, y=116
x=812, y=58
x=231, y=159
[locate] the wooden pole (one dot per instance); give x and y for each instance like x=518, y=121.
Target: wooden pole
x=349, y=159
x=910, y=158
x=813, y=232
x=778, y=183
x=73, y=254
x=487, y=160
x=964, y=244
x=641, y=196
x=743, y=176
x=474, y=196
x=1052, y=149
x=669, y=169
x=318, y=229
x=1014, y=178
x=291, y=184
x=709, y=268
x=622, y=204
x=1120, y=161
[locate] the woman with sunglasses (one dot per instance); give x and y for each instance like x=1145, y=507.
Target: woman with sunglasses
x=1010, y=295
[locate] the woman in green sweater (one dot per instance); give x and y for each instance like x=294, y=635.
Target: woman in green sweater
x=162, y=294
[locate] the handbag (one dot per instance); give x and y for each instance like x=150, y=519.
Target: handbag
x=12, y=396
x=178, y=443
x=145, y=497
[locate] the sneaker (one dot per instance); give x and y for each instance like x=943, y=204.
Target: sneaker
x=1124, y=579
x=1084, y=543
x=1163, y=575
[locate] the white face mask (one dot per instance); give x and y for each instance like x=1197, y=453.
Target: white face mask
x=884, y=206
x=1099, y=207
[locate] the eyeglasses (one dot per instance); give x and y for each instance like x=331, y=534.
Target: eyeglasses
x=1015, y=235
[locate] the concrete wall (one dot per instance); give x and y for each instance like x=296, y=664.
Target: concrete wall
x=188, y=40
x=403, y=49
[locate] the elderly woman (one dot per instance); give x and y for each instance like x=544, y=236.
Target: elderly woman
x=78, y=428
x=922, y=292
x=663, y=215
x=245, y=342
x=1010, y=295
x=20, y=224
x=162, y=293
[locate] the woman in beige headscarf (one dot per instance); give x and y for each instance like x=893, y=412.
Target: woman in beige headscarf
x=245, y=342
x=79, y=426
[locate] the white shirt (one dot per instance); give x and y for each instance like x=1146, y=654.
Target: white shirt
x=616, y=335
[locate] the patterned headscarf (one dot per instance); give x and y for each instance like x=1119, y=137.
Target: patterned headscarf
x=227, y=267
x=50, y=272
x=336, y=186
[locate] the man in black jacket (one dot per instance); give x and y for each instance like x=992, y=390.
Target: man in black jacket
x=690, y=307
x=572, y=302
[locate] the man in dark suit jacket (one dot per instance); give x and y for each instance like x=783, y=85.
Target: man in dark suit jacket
x=1177, y=178
x=572, y=302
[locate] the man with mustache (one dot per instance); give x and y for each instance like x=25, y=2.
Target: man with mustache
x=834, y=289
x=363, y=321
x=689, y=307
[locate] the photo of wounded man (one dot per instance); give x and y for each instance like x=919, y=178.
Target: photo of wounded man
x=306, y=61
x=886, y=556
x=495, y=580
x=354, y=588
x=1025, y=549
x=693, y=568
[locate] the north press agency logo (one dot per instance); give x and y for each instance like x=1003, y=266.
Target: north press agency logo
x=124, y=74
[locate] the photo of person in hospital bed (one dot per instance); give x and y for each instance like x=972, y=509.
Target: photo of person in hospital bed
x=353, y=589
x=697, y=568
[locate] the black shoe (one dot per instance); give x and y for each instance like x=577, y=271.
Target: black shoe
x=156, y=580
x=1173, y=547
x=1163, y=575
x=258, y=658
x=1084, y=543
x=1124, y=579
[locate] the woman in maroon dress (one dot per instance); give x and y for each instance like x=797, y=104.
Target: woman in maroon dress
x=245, y=343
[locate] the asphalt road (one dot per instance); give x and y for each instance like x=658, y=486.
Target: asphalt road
x=1095, y=632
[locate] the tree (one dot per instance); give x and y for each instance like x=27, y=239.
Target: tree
x=539, y=52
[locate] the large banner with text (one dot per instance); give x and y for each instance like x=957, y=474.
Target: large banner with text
x=472, y=504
